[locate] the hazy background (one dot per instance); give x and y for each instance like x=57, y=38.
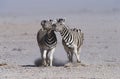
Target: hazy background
x=98, y=19
x=38, y=7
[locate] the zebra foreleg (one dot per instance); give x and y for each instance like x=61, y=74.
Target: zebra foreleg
x=70, y=56
x=44, y=58
x=51, y=56
x=41, y=50
x=47, y=59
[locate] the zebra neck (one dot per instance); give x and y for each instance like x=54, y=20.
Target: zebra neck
x=65, y=33
x=50, y=34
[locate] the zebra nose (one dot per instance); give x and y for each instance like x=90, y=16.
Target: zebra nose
x=54, y=25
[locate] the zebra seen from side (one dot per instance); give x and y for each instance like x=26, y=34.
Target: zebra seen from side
x=72, y=39
x=47, y=42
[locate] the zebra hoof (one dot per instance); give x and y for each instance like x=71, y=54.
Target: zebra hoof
x=44, y=65
x=78, y=61
x=68, y=65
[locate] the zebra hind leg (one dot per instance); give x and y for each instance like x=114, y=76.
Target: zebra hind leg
x=77, y=55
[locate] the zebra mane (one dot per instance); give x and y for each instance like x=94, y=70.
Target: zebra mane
x=66, y=26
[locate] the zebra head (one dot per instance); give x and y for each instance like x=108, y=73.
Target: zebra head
x=59, y=25
x=46, y=24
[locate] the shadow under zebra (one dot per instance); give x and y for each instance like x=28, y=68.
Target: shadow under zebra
x=56, y=62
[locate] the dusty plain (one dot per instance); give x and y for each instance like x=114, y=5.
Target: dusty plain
x=100, y=53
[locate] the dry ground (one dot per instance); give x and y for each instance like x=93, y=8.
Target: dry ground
x=100, y=52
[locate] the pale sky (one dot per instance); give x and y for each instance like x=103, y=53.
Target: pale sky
x=27, y=6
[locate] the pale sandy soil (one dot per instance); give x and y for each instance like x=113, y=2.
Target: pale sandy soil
x=100, y=52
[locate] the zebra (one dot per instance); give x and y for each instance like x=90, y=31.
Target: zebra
x=47, y=42
x=72, y=39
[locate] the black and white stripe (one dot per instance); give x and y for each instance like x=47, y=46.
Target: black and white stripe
x=48, y=41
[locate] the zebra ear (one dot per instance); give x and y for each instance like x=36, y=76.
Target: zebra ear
x=43, y=22
x=61, y=20
x=57, y=20
x=51, y=20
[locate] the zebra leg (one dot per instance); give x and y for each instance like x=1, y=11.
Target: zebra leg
x=78, y=52
x=71, y=57
x=77, y=55
x=51, y=56
x=47, y=59
x=68, y=55
x=41, y=50
x=44, y=57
